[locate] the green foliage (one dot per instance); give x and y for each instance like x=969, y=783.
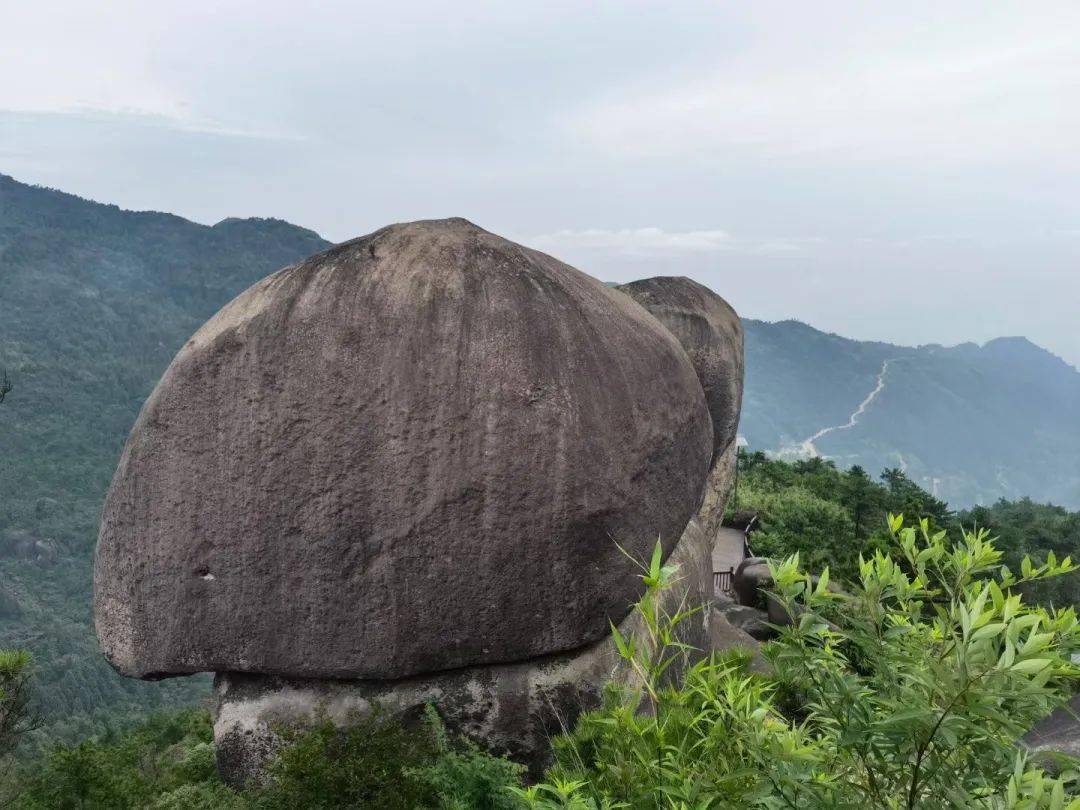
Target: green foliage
x=700, y=746
x=910, y=690
x=796, y=520
x=199, y=796
x=376, y=762
x=463, y=777
x=866, y=501
x=167, y=763
x=660, y=647
x=827, y=516
x=364, y=765
x=16, y=716
x=920, y=681
x=1024, y=528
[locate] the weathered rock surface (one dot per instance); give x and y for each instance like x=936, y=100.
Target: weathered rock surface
x=1059, y=732
x=753, y=622
x=511, y=708
x=711, y=333
x=752, y=579
x=411, y=453
x=726, y=635
x=693, y=555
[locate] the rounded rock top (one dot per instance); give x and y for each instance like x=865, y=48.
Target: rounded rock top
x=416, y=451
x=711, y=333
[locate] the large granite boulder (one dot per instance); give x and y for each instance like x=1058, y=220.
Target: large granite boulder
x=417, y=451
x=711, y=333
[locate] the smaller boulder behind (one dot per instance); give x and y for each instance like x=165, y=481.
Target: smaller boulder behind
x=710, y=332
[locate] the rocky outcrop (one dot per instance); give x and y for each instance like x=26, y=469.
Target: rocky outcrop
x=711, y=333
x=24, y=545
x=413, y=469
x=416, y=451
x=513, y=709
x=753, y=622
x=752, y=581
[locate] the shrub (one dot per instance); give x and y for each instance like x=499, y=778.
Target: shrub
x=909, y=691
x=365, y=764
x=167, y=763
x=377, y=762
x=463, y=777
x=130, y=769
x=920, y=682
x=796, y=521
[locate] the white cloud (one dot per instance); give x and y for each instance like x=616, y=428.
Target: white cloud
x=654, y=242
x=635, y=241
x=981, y=96
x=874, y=127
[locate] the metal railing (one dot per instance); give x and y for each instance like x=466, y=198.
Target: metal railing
x=747, y=551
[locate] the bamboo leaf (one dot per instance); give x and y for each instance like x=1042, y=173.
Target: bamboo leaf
x=1030, y=665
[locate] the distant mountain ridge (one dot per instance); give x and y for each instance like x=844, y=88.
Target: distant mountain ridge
x=970, y=423
x=94, y=302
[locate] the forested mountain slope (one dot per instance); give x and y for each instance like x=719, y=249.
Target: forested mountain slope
x=969, y=423
x=94, y=302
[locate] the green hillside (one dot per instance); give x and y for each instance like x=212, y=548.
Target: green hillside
x=971, y=424
x=94, y=302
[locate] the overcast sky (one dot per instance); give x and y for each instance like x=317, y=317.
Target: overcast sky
x=905, y=171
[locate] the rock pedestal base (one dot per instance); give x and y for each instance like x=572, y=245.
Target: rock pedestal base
x=512, y=709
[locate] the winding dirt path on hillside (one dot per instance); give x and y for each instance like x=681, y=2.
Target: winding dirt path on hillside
x=808, y=447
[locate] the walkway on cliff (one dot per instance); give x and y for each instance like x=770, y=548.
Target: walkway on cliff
x=728, y=551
